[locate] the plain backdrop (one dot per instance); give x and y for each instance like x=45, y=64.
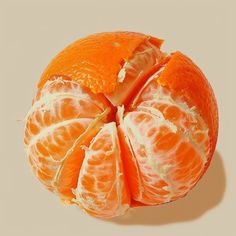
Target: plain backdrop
x=33, y=32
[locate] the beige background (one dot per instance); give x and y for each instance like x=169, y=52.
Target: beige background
x=31, y=33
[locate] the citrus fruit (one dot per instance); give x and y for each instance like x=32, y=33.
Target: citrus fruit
x=117, y=123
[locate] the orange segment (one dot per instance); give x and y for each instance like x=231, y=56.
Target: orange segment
x=67, y=176
x=188, y=122
x=62, y=112
x=47, y=154
x=161, y=153
x=102, y=189
x=175, y=109
x=183, y=77
x=145, y=59
x=167, y=144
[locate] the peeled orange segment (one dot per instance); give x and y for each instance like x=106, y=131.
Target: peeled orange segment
x=158, y=99
x=133, y=73
x=151, y=190
x=189, y=123
x=65, y=181
x=102, y=189
x=181, y=76
x=48, y=149
x=161, y=127
x=161, y=152
x=62, y=111
x=61, y=101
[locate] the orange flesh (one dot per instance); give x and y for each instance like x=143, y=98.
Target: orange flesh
x=107, y=142
x=183, y=76
x=102, y=188
x=170, y=160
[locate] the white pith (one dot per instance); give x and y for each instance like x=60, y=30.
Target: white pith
x=122, y=74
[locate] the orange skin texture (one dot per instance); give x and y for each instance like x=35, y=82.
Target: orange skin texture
x=103, y=53
x=93, y=63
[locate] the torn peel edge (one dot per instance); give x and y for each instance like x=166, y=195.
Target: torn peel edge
x=129, y=40
x=153, y=43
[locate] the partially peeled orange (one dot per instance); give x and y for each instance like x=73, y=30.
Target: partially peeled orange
x=117, y=123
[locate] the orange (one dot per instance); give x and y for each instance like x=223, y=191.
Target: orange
x=116, y=123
